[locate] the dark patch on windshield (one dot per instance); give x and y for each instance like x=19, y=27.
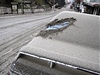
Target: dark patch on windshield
x=56, y=26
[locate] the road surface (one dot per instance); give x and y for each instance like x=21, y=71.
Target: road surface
x=16, y=31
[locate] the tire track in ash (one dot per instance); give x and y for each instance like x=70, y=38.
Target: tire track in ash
x=16, y=39
x=16, y=29
x=1, y=28
x=2, y=46
x=12, y=39
x=27, y=22
x=6, y=58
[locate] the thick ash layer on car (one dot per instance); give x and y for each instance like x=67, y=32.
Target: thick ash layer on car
x=56, y=26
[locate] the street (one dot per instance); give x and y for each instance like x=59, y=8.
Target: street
x=18, y=30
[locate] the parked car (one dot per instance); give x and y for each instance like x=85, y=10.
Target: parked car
x=68, y=45
x=92, y=7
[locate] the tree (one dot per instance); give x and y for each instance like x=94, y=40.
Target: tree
x=5, y=2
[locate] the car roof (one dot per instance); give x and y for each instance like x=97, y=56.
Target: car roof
x=77, y=45
x=84, y=32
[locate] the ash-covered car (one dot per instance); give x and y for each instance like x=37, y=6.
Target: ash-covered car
x=68, y=45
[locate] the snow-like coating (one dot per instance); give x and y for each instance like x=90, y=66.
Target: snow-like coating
x=77, y=45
